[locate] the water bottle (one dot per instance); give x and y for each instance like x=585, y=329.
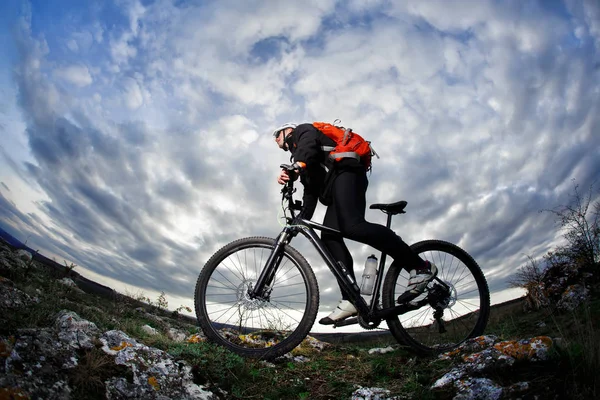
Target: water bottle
x=368, y=276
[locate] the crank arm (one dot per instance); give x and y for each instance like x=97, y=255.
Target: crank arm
x=398, y=310
x=346, y=322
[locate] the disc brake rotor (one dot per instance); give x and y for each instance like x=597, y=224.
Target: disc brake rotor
x=244, y=299
x=446, y=297
x=452, y=296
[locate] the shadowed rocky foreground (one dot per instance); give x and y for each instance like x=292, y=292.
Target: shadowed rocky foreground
x=56, y=345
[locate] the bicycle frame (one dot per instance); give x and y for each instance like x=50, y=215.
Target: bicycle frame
x=369, y=313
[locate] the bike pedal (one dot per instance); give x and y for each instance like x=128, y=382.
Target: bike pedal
x=346, y=322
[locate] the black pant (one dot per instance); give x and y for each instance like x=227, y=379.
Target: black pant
x=347, y=214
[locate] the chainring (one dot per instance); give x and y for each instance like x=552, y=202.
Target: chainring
x=368, y=325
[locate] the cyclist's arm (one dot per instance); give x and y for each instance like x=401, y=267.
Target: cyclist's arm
x=307, y=148
x=308, y=155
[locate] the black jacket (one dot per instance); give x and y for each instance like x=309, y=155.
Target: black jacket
x=305, y=143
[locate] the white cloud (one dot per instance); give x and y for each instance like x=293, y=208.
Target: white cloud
x=238, y=130
x=72, y=45
x=588, y=19
x=97, y=32
x=81, y=41
x=121, y=50
x=132, y=94
x=78, y=75
x=136, y=12
x=468, y=110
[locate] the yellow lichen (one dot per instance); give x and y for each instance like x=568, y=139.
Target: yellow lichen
x=257, y=339
x=480, y=340
x=121, y=346
x=154, y=383
x=470, y=358
x=451, y=354
x=523, y=351
x=309, y=346
x=195, y=338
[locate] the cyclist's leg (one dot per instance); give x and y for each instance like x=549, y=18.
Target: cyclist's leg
x=335, y=244
x=349, y=200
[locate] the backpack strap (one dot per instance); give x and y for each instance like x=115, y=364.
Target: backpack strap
x=346, y=154
x=347, y=136
x=373, y=152
x=343, y=154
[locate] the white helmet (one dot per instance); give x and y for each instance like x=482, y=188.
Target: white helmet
x=282, y=127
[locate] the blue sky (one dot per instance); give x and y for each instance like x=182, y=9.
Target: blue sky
x=135, y=135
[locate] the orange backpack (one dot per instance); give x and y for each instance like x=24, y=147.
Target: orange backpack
x=348, y=144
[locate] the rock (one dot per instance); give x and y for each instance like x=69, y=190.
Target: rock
x=309, y=346
x=24, y=255
x=374, y=393
x=13, y=298
x=293, y=358
x=561, y=285
x=149, y=330
x=492, y=355
x=448, y=379
x=478, y=389
x=381, y=350
x=314, y=343
x=518, y=388
x=74, y=331
x=36, y=363
x=535, y=349
x=475, y=344
x=155, y=373
x=176, y=335
x=67, y=282
x=71, y=284
x=572, y=297
x=10, y=260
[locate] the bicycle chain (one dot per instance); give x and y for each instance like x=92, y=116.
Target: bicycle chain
x=369, y=325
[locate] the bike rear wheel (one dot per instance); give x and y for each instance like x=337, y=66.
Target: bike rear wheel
x=459, y=292
x=263, y=329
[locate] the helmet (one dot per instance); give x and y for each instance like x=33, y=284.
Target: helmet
x=282, y=127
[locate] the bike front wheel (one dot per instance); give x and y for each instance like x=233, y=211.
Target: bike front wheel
x=257, y=328
x=454, y=307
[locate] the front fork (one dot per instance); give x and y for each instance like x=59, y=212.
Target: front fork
x=263, y=287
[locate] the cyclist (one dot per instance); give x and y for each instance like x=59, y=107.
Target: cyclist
x=341, y=186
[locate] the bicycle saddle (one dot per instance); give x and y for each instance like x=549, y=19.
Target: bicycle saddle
x=392, y=208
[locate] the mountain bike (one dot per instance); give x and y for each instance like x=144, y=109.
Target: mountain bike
x=259, y=296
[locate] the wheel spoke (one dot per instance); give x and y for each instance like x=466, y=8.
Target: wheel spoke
x=223, y=299
x=459, y=289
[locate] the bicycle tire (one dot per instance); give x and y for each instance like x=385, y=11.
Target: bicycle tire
x=468, y=314
x=251, y=327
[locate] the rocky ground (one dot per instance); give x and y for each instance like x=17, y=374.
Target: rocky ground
x=51, y=348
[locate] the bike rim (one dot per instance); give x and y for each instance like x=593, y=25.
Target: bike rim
x=460, y=302
x=252, y=323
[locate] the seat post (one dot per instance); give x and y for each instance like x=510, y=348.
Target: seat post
x=389, y=220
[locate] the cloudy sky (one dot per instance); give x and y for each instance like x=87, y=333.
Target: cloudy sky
x=135, y=135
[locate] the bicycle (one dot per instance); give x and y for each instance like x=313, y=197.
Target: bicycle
x=259, y=297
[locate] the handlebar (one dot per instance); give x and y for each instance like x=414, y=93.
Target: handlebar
x=287, y=192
